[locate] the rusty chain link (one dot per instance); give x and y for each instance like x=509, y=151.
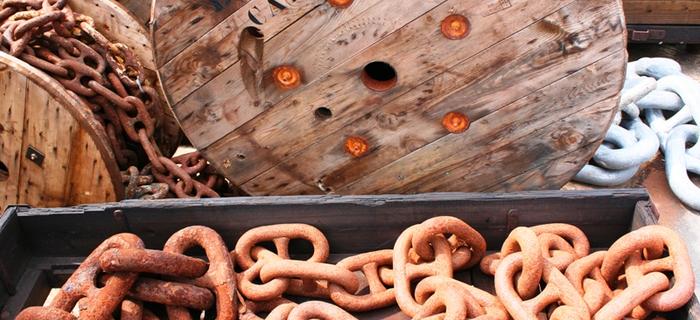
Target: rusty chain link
x=109, y=78
x=542, y=272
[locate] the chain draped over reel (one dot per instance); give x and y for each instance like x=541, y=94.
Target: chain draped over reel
x=109, y=78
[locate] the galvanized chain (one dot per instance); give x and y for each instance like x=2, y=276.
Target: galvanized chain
x=645, y=272
x=660, y=107
x=109, y=78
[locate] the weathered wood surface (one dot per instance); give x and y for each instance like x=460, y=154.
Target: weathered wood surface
x=662, y=11
x=538, y=79
x=141, y=9
x=36, y=112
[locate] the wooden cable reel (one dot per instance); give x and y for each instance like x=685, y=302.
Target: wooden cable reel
x=392, y=96
x=53, y=152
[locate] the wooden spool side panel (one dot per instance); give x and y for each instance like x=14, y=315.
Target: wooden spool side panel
x=141, y=9
x=37, y=115
x=13, y=89
x=500, y=76
x=662, y=11
x=118, y=25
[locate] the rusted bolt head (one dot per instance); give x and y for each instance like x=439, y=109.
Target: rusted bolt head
x=340, y=3
x=455, y=27
x=286, y=77
x=456, y=122
x=356, y=146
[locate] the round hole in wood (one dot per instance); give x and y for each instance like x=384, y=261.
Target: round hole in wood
x=379, y=76
x=255, y=32
x=323, y=113
x=4, y=172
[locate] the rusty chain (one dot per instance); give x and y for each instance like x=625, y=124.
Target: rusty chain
x=542, y=272
x=109, y=78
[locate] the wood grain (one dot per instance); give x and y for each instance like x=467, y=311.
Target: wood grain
x=13, y=89
x=662, y=11
x=38, y=113
x=141, y=9
x=275, y=144
x=392, y=125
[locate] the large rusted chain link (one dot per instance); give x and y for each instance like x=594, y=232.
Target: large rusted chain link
x=283, y=309
x=557, y=244
x=458, y=299
x=558, y=293
x=110, y=79
x=378, y=296
x=45, y=313
x=101, y=302
x=220, y=276
x=429, y=242
x=651, y=239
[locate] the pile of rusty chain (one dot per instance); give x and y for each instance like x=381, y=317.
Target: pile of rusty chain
x=540, y=272
x=108, y=77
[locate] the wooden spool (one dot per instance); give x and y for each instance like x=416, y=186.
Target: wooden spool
x=387, y=87
x=52, y=150
x=141, y=9
x=662, y=11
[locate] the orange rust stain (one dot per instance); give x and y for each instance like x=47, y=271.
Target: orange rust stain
x=356, y=146
x=455, y=27
x=456, y=122
x=340, y=3
x=287, y=77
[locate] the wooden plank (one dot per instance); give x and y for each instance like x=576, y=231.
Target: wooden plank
x=266, y=138
x=189, y=70
x=141, y=9
x=470, y=92
x=179, y=23
x=13, y=89
x=316, y=45
x=568, y=138
x=89, y=180
x=500, y=130
x=46, y=126
x=662, y=11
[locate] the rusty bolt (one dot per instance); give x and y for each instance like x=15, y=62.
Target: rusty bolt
x=342, y=4
x=356, y=146
x=287, y=77
x=456, y=122
x=455, y=27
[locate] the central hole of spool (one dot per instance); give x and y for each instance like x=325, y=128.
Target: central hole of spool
x=379, y=76
x=4, y=172
x=323, y=113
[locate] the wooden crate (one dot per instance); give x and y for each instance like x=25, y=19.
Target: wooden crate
x=39, y=248
x=517, y=76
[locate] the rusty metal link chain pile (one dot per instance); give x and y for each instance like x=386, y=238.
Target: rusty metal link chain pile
x=542, y=272
x=108, y=77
